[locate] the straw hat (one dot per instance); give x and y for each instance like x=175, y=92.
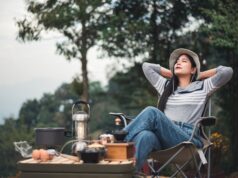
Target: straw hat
x=178, y=52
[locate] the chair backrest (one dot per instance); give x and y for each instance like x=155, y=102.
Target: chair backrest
x=207, y=120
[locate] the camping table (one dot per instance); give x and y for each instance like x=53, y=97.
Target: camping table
x=65, y=166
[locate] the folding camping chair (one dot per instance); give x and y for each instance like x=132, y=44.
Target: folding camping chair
x=184, y=153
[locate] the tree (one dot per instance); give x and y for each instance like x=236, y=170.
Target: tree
x=222, y=33
x=132, y=91
x=79, y=22
x=11, y=132
x=145, y=27
x=28, y=113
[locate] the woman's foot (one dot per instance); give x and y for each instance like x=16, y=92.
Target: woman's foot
x=139, y=175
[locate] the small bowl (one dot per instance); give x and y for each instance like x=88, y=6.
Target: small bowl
x=89, y=157
x=120, y=135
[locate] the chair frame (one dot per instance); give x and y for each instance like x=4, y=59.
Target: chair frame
x=196, y=155
x=183, y=149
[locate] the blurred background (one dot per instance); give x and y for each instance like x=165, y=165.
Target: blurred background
x=54, y=52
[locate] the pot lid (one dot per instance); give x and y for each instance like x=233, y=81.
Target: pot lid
x=50, y=129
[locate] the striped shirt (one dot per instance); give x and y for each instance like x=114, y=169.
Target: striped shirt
x=187, y=104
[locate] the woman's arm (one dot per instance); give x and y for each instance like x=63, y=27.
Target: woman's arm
x=156, y=75
x=166, y=72
x=216, y=78
x=154, y=71
x=206, y=74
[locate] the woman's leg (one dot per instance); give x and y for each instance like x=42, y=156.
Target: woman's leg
x=145, y=142
x=143, y=121
x=152, y=119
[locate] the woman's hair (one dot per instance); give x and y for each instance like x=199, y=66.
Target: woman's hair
x=173, y=84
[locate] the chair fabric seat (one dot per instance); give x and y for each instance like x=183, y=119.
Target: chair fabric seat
x=162, y=156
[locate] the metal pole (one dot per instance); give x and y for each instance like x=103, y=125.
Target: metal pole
x=209, y=157
x=209, y=135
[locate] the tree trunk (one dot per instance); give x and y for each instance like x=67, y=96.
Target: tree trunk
x=84, y=50
x=154, y=35
x=85, y=95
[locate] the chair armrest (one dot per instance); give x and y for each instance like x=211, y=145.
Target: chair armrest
x=129, y=118
x=204, y=121
x=208, y=121
x=116, y=113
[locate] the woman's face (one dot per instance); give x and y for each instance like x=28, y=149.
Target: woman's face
x=183, y=66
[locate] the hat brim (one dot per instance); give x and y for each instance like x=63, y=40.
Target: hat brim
x=178, y=52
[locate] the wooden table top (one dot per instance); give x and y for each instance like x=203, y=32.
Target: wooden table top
x=68, y=163
x=68, y=159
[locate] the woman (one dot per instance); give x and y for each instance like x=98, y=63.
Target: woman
x=182, y=102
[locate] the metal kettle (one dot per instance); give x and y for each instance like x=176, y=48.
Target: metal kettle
x=80, y=117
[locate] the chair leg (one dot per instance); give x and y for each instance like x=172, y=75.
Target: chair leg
x=180, y=169
x=196, y=164
x=151, y=163
x=209, y=163
x=171, y=159
x=206, y=166
x=205, y=152
x=155, y=176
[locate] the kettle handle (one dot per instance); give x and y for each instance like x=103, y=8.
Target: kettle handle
x=81, y=102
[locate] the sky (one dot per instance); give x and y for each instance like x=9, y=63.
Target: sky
x=28, y=70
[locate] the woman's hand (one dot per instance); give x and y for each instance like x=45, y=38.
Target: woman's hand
x=166, y=72
x=206, y=74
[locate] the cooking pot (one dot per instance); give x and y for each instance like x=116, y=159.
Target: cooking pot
x=91, y=155
x=120, y=135
x=50, y=137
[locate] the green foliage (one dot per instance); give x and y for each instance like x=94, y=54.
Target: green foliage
x=50, y=110
x=223, y=27
x=222, y=33
x=77, y=86
x=143, y=27
x=11, y=131
x=28, y=113
x=28, y=31
x=80, y=22
x=131, y=90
